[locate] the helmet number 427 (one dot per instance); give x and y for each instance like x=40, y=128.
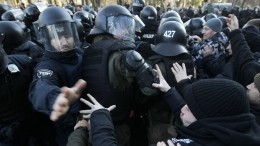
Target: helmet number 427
x=169, y=33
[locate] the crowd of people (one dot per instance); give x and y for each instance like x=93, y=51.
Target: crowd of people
x=129, y=75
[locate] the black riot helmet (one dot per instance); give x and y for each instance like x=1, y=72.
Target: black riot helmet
x=14, y=35
x=171, y=14
x=115, y=20
x=209, y=16
x=137, y=6
x=171, y=39
x=70, y=7
x=13, y=15
x=4, y=8
x=177, y=19
x=196, y=26
x=93, y=15
x=85, y=18
x=3, y=56
x=224, y=21
x=149, y=13
x=57, y=30
x=80, y=30
x=27, y=31
x=33, y=11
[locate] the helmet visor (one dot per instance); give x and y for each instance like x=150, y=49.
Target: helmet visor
x=60, y=37
x=138, y=23
x=121, y=27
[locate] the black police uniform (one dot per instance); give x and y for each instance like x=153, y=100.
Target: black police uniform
x=18, y=121
x=149, y=31
x=52, y=73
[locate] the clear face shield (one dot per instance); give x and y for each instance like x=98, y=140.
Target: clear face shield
x=121, y=27
x=60, y=37
x=138, y=23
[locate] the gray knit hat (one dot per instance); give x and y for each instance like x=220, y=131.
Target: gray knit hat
x=215, y=24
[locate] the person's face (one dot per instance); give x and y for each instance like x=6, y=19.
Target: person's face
x=207, y=32
x=253, y=94
x=64, y=43
x=186, y=116
x=229, y=50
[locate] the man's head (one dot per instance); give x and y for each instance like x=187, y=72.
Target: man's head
x=253, y=90
x=213, y=98
x=211, y=27
x=58, y=30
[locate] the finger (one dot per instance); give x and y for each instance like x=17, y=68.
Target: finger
x=179, y=67
x=170, y=143
x=155, y=85
x=79, y=86
x=173, y=71
x=159, y=144
x=85, y=111
x=183, y=67
x=86, y=116
x=178, y=144
x=87, y=103
x=55, y=115
x=93, y=99
x=189, y=76
x=158, y=71
x=175, y=67
x=111, y=107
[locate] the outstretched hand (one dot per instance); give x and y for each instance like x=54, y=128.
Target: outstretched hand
x=163, y=85
x=66, y=98
x=180, y=72
x=94, y=106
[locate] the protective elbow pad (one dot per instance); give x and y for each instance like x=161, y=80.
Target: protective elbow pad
x=133, y=60
x=144, y=74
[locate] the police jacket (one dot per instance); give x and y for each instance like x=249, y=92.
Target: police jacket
x=149, y=31
x=108, y=80
x=31, y=49
x=14, y=83
x=53, y=72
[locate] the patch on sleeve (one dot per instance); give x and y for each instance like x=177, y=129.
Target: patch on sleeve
x=44, y=73
x=13, y=68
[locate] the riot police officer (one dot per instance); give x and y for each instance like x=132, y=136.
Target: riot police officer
x=19, y=124
x=60, y=66
x=22, y=45
x=170, y=47
x=110, y=65
x=149, y=17
x=32, y=13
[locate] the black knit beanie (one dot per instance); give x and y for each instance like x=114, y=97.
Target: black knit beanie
x=215, y=24
x=257, y=81
x=210, y=98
